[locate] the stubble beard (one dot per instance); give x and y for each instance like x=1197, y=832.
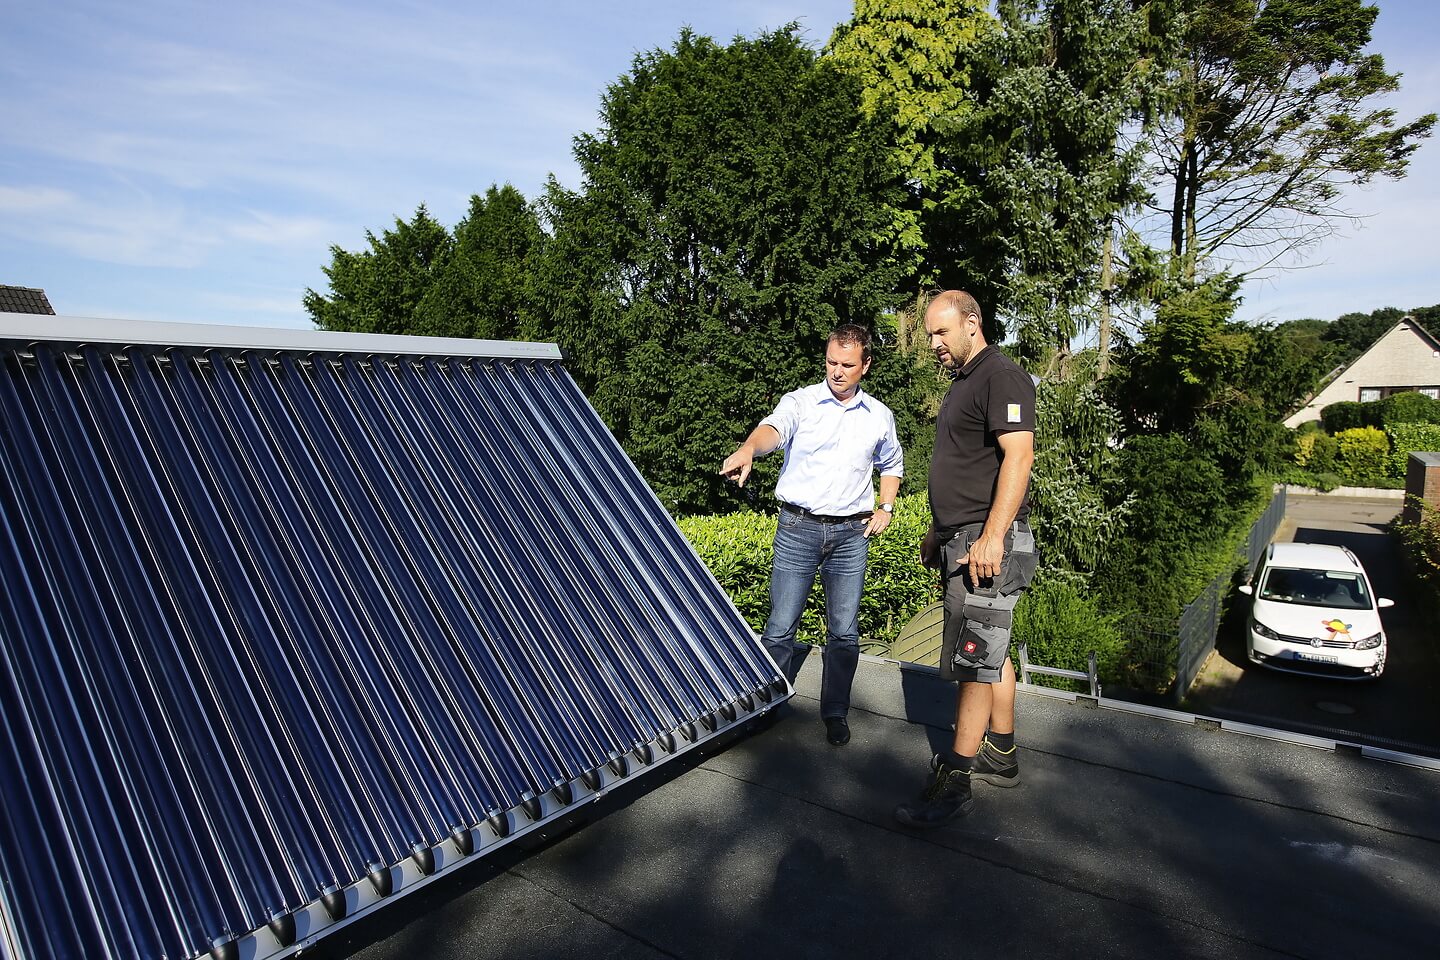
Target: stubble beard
x=958, y=362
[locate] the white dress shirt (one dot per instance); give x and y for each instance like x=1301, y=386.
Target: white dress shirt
x=832, y=448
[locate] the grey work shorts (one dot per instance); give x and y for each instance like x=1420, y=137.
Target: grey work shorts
x=976, y=641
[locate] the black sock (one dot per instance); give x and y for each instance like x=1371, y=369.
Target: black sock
x=958, y=762
x=1004, y=742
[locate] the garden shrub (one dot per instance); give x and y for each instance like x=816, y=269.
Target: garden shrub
x=1315, y=451
x=1180, y=530
x=1348, y=415
x=1408, y=407
x=1362, y=454
x=738, y=549
x=1408, y=438
x=1061, y=625
x=1421, y=543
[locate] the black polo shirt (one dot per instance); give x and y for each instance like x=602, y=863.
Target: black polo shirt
x=991, y=395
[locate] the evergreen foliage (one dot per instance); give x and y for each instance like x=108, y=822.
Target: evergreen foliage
x=1062, y=624
x=1079, y=502
x=735, y=207
x=1346, y=415
x=1408, y=438
x=421, y=279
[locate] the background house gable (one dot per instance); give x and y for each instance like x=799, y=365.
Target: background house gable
x=1406, y=357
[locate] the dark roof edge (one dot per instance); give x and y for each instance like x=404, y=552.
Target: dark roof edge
x=1372, y=751
x=1419, y=327
x=37, y=327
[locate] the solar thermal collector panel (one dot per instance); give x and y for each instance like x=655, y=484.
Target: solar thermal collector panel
x=294, y=621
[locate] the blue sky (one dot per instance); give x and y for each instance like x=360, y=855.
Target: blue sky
x=191, y=162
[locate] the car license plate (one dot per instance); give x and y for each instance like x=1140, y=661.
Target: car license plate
x=1316, y=657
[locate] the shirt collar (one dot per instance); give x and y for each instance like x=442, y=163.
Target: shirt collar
x=826, y=395
x=974, y=361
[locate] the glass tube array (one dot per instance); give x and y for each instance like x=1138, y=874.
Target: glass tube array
x=276, y=625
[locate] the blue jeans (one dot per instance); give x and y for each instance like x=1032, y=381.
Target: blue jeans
x=838, y=551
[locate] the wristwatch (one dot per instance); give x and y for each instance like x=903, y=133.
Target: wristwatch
x=888, y=507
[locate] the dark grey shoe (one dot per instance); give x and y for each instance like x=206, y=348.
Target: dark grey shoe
x=947, y=797
x=837, y=731
x=996, y=768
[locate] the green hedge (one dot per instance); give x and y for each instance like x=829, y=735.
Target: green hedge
x=1407, y=407
x=1348, y=415
x=738, y=549
x=1359, y=456
x=1421, y=544
x=1408, y=438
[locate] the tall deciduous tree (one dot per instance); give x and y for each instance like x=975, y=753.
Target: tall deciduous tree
x=1276, y=114
x=915, y=60
x=729, y=216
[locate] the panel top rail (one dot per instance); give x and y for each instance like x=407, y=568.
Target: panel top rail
x=30, y=328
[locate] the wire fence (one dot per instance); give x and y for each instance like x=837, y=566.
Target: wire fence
x=1168, y=660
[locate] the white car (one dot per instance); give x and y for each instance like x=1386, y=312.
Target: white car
x=1315, y=613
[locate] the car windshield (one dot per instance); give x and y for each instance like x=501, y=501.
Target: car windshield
x=1315, y=588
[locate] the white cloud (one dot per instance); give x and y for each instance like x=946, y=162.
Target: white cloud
x=283, y=232
x=28, y=200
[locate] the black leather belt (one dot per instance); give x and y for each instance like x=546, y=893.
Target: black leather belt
x=822, y=518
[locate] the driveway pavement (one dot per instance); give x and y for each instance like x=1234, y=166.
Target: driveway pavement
x=1401, y=710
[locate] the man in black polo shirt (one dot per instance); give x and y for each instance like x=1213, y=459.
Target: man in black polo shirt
x=979, y=476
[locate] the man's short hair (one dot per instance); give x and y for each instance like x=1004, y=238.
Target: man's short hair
x=848, y=334
x=959, y=301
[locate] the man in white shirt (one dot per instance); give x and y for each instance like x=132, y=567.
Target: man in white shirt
x=834, y=435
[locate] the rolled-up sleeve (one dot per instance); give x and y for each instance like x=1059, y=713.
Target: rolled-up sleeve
x=785, y=418
x=888, y=455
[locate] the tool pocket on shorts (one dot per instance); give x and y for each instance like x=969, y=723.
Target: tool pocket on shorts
x=1018, y=567
x=983, y=631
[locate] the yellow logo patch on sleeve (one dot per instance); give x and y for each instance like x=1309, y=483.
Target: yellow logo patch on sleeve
x=1012, y=413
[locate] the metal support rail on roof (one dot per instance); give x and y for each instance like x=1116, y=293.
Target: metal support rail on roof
x=1090, y=675
x=288, y=628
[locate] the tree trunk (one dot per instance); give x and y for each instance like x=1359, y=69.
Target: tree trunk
x=1192, y=191
x=1107, y=296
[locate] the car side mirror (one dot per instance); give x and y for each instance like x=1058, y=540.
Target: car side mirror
x=1384, y=602
x=1246, y=589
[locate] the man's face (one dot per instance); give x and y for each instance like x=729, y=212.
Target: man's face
x=952, y=335
x=844, y=367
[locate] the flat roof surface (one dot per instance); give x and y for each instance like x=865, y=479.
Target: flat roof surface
x=1131, y=835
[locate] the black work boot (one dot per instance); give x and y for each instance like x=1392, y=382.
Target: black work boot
x=947, y=797
x=995, y=767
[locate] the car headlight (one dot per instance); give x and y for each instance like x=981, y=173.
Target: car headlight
x=1263, y=630
x=1369, y=643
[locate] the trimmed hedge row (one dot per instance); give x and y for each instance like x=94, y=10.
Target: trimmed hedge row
x=1407, y=407
x=1362, y=456
x=1061, y=623
x=739, y=547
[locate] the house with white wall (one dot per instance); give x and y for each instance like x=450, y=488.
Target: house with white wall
x=1406, y=358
